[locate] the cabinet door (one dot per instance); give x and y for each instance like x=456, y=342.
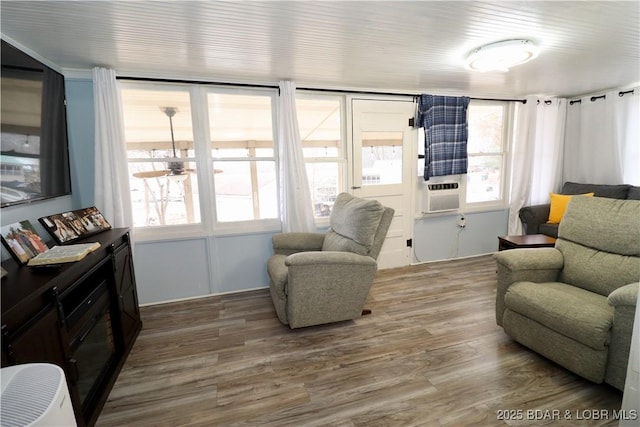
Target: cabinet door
x=127, y=294
x=39, y=342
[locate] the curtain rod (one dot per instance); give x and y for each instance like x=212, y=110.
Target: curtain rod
x=265, y=86
x=595, y=98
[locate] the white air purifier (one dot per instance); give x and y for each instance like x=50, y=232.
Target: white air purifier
x=35, y=394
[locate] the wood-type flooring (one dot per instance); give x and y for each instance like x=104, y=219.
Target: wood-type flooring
x=430, y=354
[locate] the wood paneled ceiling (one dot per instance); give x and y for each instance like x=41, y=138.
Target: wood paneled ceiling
x=395, y=46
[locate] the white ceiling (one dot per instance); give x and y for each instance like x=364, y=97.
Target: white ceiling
x=387, y=46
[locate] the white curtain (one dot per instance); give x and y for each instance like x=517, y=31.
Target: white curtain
x=626, y=112
x=548, y=153
x=537, y=155
x=112, y=195
x=602, y=144
x=295, y=196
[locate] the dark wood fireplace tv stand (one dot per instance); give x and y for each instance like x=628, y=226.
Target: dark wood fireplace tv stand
x=81, y=316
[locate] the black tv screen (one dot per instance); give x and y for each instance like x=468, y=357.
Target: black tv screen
x=34, y=163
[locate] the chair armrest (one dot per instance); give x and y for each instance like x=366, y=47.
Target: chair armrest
x=624, y=295
x=624, y=301
x=328, y=257
x=530, y=260
x=524, y=265
x=533, y=216
x=291, y=243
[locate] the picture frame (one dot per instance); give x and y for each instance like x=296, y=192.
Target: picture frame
x=67, y=227
x=22, y=241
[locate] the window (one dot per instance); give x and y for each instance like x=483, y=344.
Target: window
x=243, y=152
x=487, y=152
x=161, y=156
x=199, y=152
x=204, y=156
x=381, y=158
x=320, y=124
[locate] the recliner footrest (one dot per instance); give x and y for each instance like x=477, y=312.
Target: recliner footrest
x=583, y=316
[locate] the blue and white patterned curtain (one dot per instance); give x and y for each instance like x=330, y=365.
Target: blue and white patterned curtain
x=444, y=119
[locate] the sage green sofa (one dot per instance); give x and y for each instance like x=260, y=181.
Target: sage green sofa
x=575, y=303
x=318, y=278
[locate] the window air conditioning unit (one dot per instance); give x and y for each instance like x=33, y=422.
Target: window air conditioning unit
x=442, y=197
x=35, y=394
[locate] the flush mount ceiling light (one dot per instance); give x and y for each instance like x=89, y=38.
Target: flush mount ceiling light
x=501, y=56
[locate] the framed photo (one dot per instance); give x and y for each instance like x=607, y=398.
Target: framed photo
x=70, y=226
x=22, y=241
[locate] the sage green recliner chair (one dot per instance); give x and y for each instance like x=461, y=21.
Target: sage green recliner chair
x=575, y=303
x=321, y=278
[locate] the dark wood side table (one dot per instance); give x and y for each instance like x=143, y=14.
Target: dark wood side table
x=525, y=241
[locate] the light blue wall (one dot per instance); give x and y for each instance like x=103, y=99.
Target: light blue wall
x=80, y=122
x=438, y=237
x=242, y=261
x=172, y=270
x=185, y=268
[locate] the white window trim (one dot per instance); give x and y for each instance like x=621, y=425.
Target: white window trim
x=179, y=231
x=342, y=158
x=169, y=232
x=208, y=225
x=254, y=225
x=507, y=140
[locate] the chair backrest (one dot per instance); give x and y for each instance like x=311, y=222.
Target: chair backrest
x=619, y=191
x=357, y=225
x=600, y=241
x=381, y=234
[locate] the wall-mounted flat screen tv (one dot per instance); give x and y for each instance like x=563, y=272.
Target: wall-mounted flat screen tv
x=34, y=163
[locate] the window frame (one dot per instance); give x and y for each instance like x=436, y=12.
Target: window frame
x=505, y=153
x=252, y=225
x=176, y=231
x=341, y=159
x=204, y=161
x=508, y=130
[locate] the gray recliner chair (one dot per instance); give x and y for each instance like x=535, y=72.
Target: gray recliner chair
x=321, y=278
x=575, y=303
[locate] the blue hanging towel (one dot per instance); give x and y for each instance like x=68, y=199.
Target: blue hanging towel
x=444, y=119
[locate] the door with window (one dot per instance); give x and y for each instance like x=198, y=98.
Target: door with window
x=383, y=167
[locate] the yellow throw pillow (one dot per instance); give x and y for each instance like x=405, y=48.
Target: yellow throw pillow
x=559, y=204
